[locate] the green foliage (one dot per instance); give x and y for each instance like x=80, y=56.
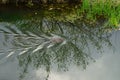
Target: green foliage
x=91, y=10
x=108, y=9
x=30, y=4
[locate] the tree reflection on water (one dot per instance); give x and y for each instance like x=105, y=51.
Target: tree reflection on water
x=48, y=42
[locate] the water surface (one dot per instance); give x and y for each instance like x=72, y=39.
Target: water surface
x=36, y=47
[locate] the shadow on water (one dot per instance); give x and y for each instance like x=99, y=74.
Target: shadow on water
x=46, y=42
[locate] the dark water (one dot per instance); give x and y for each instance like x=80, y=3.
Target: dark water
x=38, y=47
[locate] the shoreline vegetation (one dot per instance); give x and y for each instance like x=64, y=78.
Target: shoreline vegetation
x=91, y=10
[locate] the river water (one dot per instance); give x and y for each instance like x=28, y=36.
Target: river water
x=41, y=48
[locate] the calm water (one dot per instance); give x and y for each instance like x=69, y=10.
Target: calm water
x=36, y=47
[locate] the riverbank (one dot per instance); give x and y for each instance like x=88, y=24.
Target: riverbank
x=90, y=10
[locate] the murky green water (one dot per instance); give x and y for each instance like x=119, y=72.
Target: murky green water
x=38, y=47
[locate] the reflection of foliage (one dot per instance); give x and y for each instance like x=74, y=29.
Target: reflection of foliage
x=79, y=36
